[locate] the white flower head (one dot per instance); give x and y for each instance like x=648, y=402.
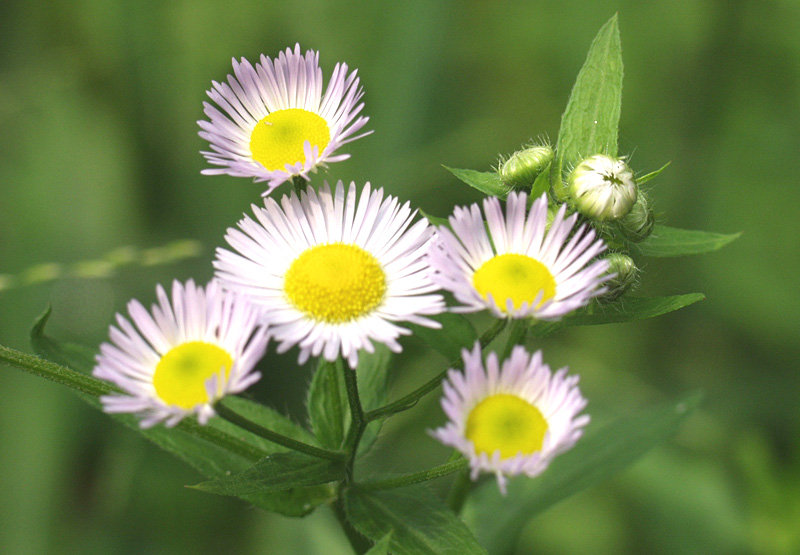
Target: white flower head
x=513, y=419
x=518, y=268
x=183, y=355
x=333, y=271
x=273, y=121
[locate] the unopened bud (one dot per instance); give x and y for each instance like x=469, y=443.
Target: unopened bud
x=625, y=278
x=638, y=224
x=602, y=188
x=524, y=166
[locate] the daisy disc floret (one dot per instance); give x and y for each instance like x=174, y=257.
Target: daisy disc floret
x=333, y=271
x=183, y=355
x=518, y=268
x=512, y=419
x=272, y=122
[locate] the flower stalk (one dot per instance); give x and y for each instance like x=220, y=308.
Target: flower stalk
x=233, y=417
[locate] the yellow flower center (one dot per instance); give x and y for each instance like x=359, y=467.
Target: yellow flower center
x=181, y=374
x=335, y=283
x=514, y=276
x=278, y=138
x=508, y=423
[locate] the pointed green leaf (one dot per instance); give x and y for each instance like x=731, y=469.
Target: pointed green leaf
x=627, y=309
x=277, y=472
x=455, y=334
x=591, y=120
x=498, y=520
x=647, y=177
x=327, y=404
x=488, y=183
x=419, y=523
x=72, y=355
x=670, y=241
x=373, y=388
x=541, y=184
x=381, y=547
x=436, y=220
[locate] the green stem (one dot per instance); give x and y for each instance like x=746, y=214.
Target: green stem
x=358, y=421
x=458, y=491
x=516, y=336
x=359, y=543
x=417, y=477
x=221, y=439
x=408, y=401
x=92, y=388
x=234, y=418
x=297, y=184
x=55, y=372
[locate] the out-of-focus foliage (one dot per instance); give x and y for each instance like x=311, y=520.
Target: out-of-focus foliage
x=98, y=104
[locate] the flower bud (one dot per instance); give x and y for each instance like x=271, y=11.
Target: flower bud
x=524, y=166
x=638, y=224
x=625, y=278
x=602, y=188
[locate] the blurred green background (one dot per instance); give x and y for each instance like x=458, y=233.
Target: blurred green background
x=99, y=150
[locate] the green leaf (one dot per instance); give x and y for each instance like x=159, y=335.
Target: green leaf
x=455, y=334
x=277, y=472
x=373, y=389
x=327, y=404
x=436, y=220
x=381, y=547
x=419, y=523
x=670, y=241
x=215, y=450
x=627, y=309
x=488, y=183
x=590, y=123
x=263, y=416
x=541, y=184
x=647, y=177
x=498, y=521
x=72, y=355
x=293, y=502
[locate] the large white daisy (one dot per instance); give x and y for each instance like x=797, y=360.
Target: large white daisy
x=512, y=419
x=518, y=268
x=333, y=271
x=274, y=123
x=183, y=355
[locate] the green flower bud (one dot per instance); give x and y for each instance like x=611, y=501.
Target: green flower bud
x=638, y=224
x=524, y=166
x=625, y=278
x=602, y=188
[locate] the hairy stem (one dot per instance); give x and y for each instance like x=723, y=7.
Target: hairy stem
x=408, y=401
x=234, y=418
x=358, y=421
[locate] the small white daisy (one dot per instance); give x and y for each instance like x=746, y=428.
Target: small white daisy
x=518, y=268
x=182, y=356
x=333, y=271
x=277, y=124
x=510, y=420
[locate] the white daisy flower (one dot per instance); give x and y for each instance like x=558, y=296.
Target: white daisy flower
x=518, y=268
x=277, y=124
x=332, y=271
x=182, y=356
x=510, y=420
